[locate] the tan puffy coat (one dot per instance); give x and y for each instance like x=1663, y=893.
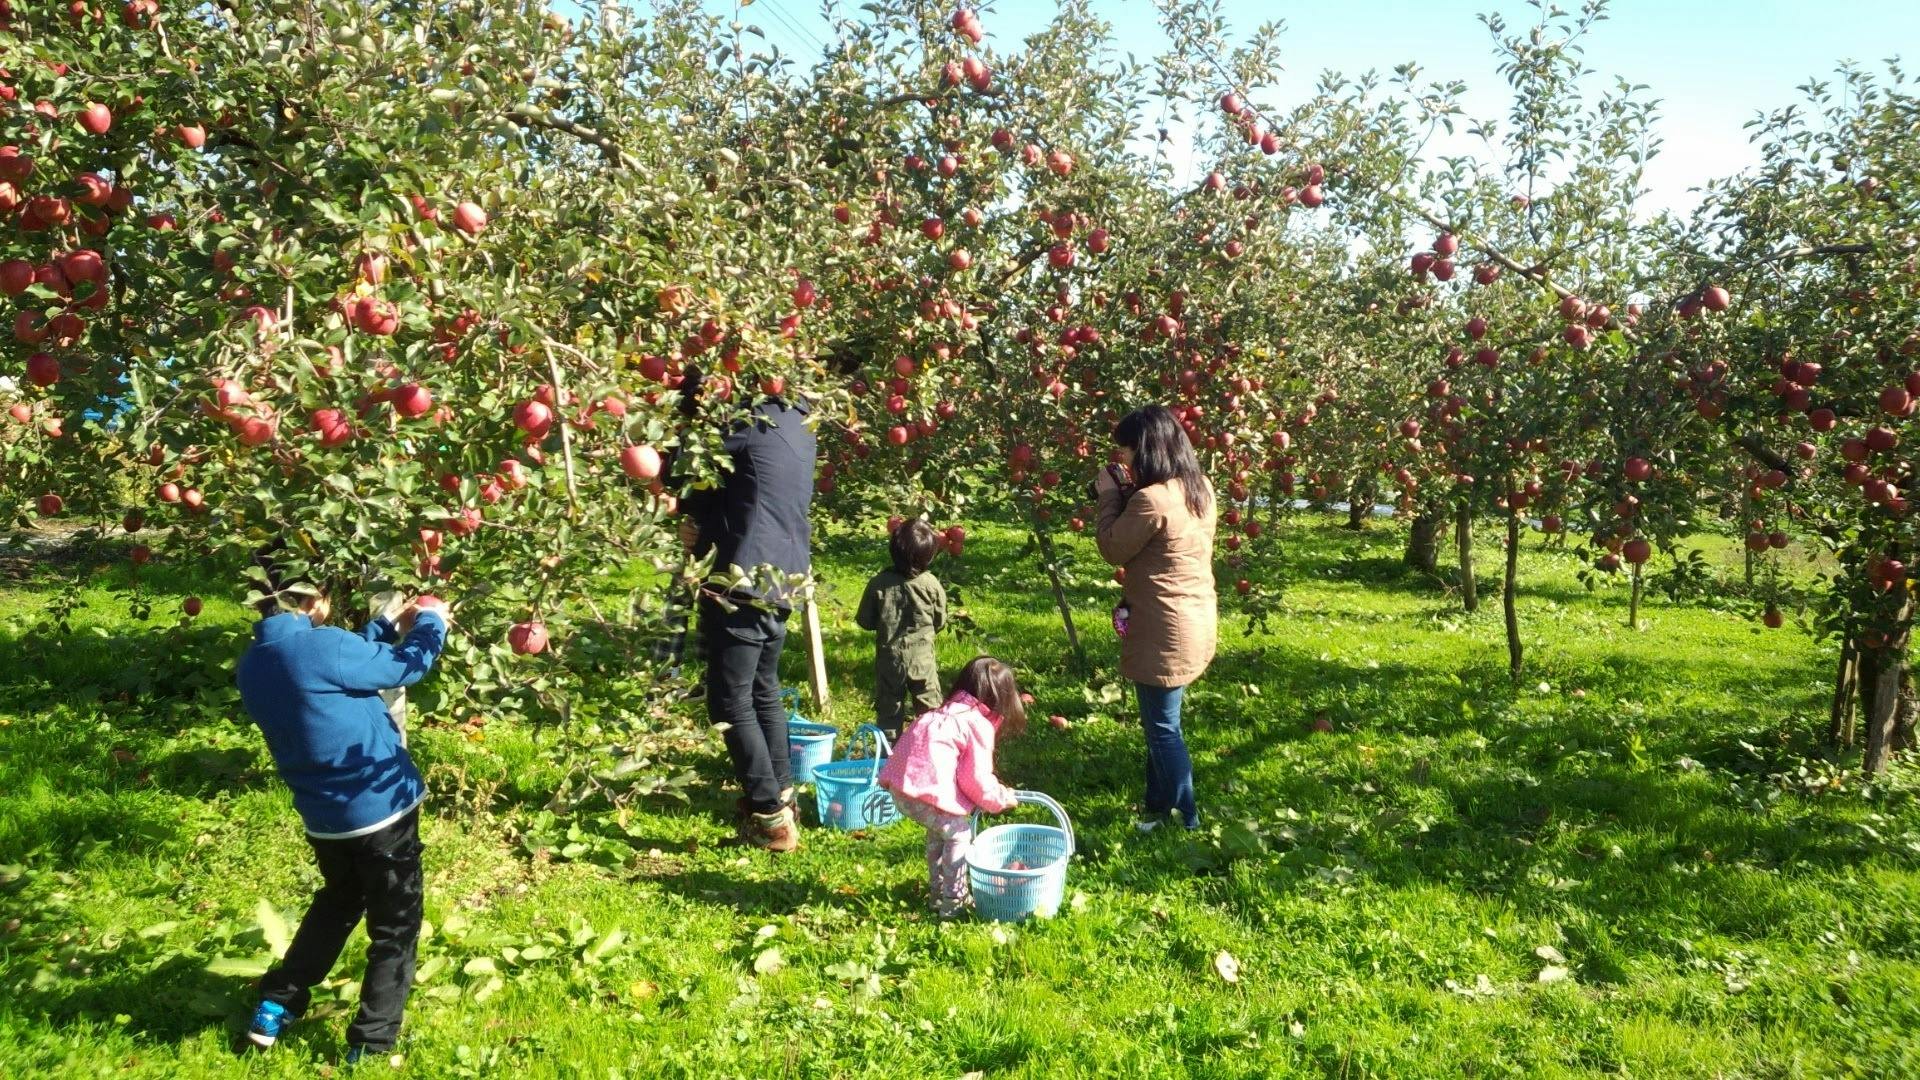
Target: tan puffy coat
x=1168, y=556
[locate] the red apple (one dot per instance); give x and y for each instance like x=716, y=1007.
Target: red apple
x=528, y=638
x=372, y=267
x=51, y=504
x=42, y=369
x=16, y=276
x=1636, y=551
x=192, y=136
x=640, y=462
x=96, y=118
x=191, y=607
x=254, y=431
x=469, y=218
x=412, y=400
x=533, y=417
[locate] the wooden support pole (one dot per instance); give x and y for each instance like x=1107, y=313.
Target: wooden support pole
x=816, y=654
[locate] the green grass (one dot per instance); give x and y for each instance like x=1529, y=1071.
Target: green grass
x=1647, y=809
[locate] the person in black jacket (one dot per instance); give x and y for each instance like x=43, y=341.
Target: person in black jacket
x=754, y=523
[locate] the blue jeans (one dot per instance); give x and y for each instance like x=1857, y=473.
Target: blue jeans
x=1169, y=769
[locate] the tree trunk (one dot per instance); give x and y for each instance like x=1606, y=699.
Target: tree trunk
x=1507, y=591
x=1846, y=687
x=1883, y=707
x=1905, y=716
x=1359, y=507
x=1746, y=515
x=1633, y=604
x=1050, y=557
x=1463, y=539
x=1423, y=543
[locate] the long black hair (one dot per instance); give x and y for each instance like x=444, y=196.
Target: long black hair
x=992, y=684
x=1162, y=452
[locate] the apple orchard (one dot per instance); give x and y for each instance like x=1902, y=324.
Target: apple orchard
x=408, y=287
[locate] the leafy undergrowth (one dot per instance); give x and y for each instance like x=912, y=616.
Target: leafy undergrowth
x=1636, y=861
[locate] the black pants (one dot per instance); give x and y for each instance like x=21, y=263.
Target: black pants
x=743, y=696
x=378, y=876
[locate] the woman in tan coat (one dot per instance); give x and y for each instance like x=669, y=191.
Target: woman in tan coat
x=1157, y=524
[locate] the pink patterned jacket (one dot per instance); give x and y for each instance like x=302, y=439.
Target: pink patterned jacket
x=945, y=759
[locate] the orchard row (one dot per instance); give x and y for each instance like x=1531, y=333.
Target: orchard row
x=343, y=274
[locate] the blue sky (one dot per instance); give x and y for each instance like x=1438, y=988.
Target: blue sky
x=1713, y=63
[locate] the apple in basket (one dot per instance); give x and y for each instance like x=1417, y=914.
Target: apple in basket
x=1016, y=865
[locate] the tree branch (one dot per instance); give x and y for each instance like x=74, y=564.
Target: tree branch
x=566, y=436
x=526, y=116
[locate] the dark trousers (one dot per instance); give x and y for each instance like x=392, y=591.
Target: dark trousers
x=1169, y=768
x=899, y=697
x=376, y=876
x=743, y=696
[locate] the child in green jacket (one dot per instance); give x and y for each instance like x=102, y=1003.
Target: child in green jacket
x=904, y=606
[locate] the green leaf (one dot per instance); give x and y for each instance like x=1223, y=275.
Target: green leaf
x=606, y=946
x=240, y=967
x=480, y=965
x=274, y=926
x=768, y=962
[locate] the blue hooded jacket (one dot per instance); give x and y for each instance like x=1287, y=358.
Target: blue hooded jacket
x=315, y=694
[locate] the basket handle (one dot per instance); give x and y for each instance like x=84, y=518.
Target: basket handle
x=881, y=747
x=1037, y=798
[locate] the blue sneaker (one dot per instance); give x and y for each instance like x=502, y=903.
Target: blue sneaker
x=270, y=1018
x=354, y=1054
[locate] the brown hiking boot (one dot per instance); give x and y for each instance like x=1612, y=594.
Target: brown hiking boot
x=743, y=810
x=776, y=831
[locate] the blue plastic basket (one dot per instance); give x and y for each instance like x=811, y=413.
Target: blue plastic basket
x=1002, y=894
x=809, y=745
x=848, y=793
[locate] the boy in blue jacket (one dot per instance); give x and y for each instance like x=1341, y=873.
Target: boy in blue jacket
x=314, y=692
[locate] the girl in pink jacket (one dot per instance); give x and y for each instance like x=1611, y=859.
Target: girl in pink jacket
x=941, y=771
